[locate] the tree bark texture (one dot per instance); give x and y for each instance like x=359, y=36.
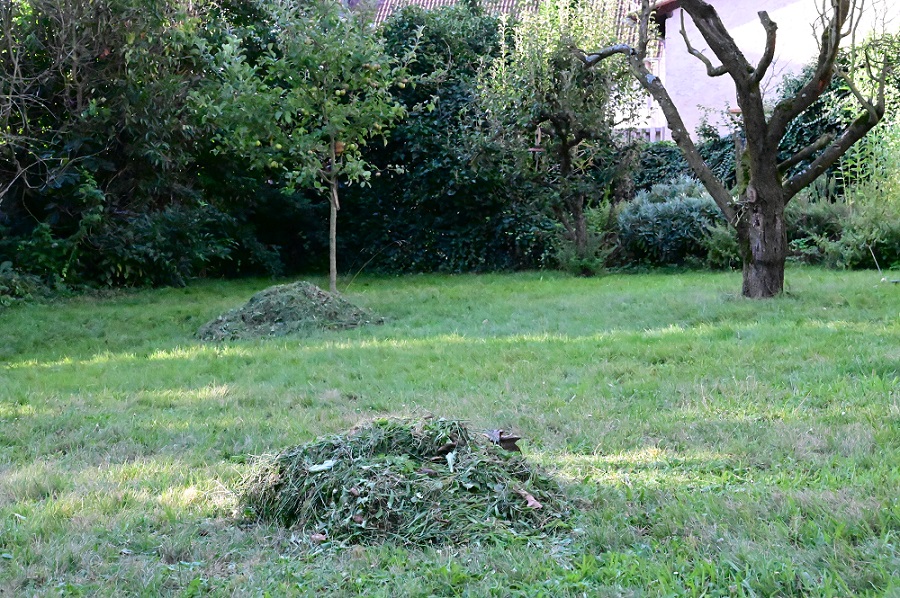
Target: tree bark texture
x=332, y=237
x=762, y=237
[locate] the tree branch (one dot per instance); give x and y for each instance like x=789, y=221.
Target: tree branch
x=807, y=152
x=710, y=26
x=853, y=133
x=769, y=53
x=644, y=29
x=873, y=106
x=749, y=96
x=683, y=140
x=854, y=89
x=712, y=71
x=789, y=108
x=653, y=85
x=599, y=55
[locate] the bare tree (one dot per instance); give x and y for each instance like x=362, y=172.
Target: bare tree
x=756, y=210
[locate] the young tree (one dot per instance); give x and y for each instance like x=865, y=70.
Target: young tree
x=302, y=110
x=553, y=120
x=764, y=183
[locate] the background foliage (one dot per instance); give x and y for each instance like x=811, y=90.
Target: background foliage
x=102, y=155
x=550, y=124
x=445, y=212
x=110, y=174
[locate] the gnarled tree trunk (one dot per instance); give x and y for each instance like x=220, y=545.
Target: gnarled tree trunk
x=763, y=241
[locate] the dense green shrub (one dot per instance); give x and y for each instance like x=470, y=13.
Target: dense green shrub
x=15, y=285
x=844, y=235
x=811, y=218
x=662, y=162
x=42, y=253
x=668, y=224
x=855, y=225
x=166, y=247
x=718, y=152
x=835, y=109
x=114, y=116
x=110, y=155
x=859, y=232
x=868, y=237
x=601, y=243
x=113, y=180
x=722, y=249
x=659, y=163
x=444, y=212
x=173, y=245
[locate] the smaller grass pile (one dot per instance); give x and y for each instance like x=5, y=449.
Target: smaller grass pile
x=417, y=482
x=296, y=308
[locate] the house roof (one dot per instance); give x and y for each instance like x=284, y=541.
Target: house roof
x=666, y=6
x=387, y=7
x=624, y=9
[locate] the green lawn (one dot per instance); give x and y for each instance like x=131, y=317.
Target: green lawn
x=721, y=446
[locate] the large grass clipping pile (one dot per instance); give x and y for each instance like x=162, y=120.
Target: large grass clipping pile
x=416, y=482
x=297, y=308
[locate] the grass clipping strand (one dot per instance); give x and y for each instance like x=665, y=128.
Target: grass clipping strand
x=296, y=308
x=417, y=482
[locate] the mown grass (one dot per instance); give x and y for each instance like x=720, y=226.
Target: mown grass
x=723, y=446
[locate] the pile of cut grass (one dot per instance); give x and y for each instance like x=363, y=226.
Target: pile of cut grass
x=417, y=482
x=296, y=308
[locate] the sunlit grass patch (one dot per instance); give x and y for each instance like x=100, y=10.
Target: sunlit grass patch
x=719, y=446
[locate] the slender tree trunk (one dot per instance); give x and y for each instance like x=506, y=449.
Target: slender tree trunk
x=332, y=237
x=763, y=241
x=575, y=201
x=580, y=223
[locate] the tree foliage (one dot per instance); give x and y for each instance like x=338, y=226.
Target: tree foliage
x=550, y=123
x=443, y=212
x=96, y=132
x=305, y=108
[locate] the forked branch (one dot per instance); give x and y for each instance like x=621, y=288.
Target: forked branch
x=717, y=37
x=833, y=23
x=712, y=71
x=635, y=57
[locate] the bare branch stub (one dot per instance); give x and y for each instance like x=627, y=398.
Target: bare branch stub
x=599, y=55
